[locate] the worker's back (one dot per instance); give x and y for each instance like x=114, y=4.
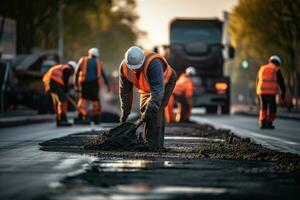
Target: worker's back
x=184, y=86
x=267, y=80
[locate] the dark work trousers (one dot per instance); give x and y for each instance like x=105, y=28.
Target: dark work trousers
x=60, y=100
x=89, y=92
x=183, y=108
x=154, y=131
x=268, y=108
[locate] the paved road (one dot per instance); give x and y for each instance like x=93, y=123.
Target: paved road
x=286, y=136
x=25, y=171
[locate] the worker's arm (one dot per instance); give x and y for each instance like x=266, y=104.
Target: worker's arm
x=66, y=76
x=103, y=73
x=125, y=95
x=156, y=81
x=77, y=71
x=189, y=88
x=281, y=84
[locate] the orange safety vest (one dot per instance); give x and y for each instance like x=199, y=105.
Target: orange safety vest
x=55, y=73
x=141, y=82
x=267, y=80
x=184, y=86
x=84, y=66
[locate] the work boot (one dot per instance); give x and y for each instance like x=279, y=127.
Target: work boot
x=81, y=120
x=96, y=119
x=63, y=121
x=263, y=124
x=269, y=125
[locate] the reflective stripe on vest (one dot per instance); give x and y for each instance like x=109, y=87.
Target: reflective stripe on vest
x=267, y=80
x=55, y=73
x=84, y=66
x=184, y=86
x=142, y=82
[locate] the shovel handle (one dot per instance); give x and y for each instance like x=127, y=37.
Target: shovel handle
x=73, y=103
x=138, y=123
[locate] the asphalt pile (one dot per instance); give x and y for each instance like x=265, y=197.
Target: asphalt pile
x=116, y=141
x=214, y=144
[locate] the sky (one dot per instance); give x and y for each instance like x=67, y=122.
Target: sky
x=155, y=15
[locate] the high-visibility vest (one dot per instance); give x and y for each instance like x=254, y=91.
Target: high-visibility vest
x=141, y=82
x=83, y=69
x=55, y=73
x=267, y=80
x=184, y=86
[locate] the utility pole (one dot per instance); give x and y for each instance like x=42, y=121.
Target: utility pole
x=60, y=32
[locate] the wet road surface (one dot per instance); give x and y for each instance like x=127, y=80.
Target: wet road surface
x=285, y=137
x=27, y=172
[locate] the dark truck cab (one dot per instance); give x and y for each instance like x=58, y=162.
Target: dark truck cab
x=198, y=43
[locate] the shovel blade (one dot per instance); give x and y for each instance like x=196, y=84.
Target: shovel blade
x=120, y=128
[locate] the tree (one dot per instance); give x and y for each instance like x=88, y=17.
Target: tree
x=106, y=24
x=262, y=28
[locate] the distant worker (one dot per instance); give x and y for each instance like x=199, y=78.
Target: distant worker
x=56, y=83
x=267, y=81
x=182, y=94
x=87, y=81
x=153, y=76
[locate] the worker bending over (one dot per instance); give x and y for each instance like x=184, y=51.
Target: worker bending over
x=267, y=81
x=182, y=94
x=155, y=79
x=87, y=81
x=56, y=83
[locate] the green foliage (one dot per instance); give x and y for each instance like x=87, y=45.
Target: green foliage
x=106, y=24
x=260, y=29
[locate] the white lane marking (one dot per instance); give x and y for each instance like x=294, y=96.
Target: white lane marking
x=193, y=138
x=253, y=135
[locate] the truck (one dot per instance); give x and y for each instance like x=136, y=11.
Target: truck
x=198, y=43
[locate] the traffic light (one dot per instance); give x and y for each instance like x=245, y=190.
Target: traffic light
x=245, y=64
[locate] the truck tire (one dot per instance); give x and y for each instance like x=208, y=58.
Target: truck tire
x=225, y=109
x=211, y=109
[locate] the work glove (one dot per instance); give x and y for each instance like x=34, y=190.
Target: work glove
x=282, y=97
x=124, y=117
x=146, y=116
x=108, y=89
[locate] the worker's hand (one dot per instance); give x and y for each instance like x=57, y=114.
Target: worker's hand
x=76, y=88
x=123, y=117
x=108, y=89
x=282, y=97
x=146, y=116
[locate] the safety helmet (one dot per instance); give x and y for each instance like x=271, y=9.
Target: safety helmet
x=94, y=52
x=275, y=58
x=190, y=71
x=73, y=64
x=134, y=57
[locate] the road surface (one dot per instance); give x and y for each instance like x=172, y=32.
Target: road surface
x=285, y=137
x=27, y=172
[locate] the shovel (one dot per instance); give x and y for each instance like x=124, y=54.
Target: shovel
x=125, y=128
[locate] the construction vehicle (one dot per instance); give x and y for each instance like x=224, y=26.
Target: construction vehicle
x=198, y=43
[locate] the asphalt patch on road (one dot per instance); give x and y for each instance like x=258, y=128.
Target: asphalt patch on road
x=193, y=141
x=200, y=162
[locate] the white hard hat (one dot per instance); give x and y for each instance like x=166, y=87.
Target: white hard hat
x=275, y=58
x=94, y=52
x=190, y=70
x=73, y=64
x=134, y=57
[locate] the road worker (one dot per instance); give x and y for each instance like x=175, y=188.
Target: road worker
x=153, y=76
x=182, y=94
x=267, y=81
x=87, y=81
x=56, y=83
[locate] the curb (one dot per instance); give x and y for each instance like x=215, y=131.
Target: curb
x=26, y=121
x=280, y=116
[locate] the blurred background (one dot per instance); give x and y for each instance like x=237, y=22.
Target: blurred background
x=35, y=35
